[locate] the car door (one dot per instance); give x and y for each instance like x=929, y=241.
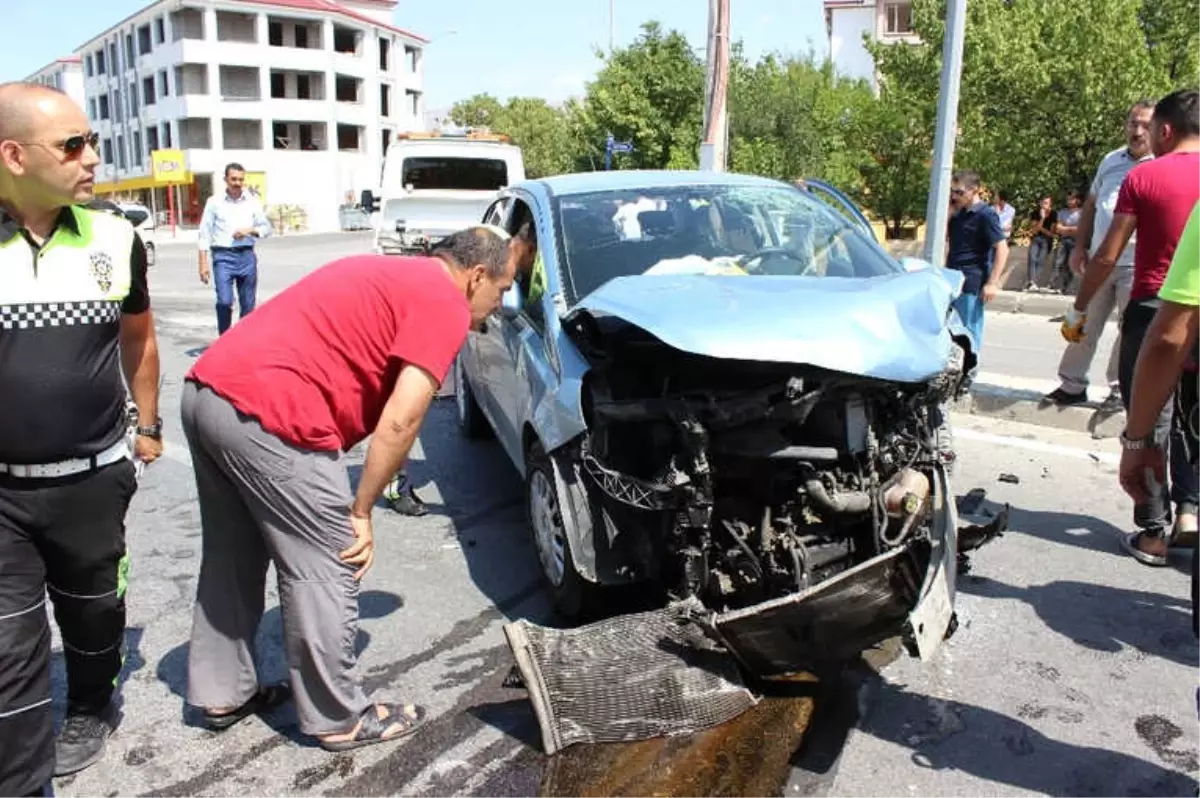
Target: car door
x=481, y=349
x=841, y=203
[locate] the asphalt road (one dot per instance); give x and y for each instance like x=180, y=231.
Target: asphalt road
x=1029, y=346
x=1073, y=671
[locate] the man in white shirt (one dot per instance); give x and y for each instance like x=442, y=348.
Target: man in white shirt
x=1094, y=222
x=228, y=228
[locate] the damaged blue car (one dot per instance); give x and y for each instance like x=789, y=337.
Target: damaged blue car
x=722, y=386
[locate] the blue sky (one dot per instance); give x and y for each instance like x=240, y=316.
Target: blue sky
x=538, y=48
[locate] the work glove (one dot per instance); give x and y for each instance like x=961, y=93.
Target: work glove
x=1072, y=326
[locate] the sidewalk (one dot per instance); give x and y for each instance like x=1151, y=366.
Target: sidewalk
x=1023, y=400
x=1037, y=304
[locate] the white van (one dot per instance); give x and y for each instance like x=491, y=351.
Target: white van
x=436, y=183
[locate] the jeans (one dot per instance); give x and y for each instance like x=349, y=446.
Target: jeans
x=230, y=266
x=1060, y=274
x=970, y=308
x=1172, y=427
x=1039, y=250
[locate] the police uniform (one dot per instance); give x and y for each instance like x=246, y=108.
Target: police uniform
x=66, y=475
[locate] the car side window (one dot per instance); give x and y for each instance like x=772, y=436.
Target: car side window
x=495, y=213
x=531, y=275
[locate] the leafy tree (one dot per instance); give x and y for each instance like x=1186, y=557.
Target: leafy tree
x=650, y=93
x=482, y=110
x=1046, y=84
x=543, y=133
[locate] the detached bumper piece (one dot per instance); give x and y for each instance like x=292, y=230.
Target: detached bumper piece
x=632, y=677
x=834, y=621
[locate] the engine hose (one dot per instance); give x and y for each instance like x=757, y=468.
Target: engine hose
x=745, y=547
x=841, y=503
x=800, y=561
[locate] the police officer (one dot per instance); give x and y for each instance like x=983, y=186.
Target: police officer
x=74, y=309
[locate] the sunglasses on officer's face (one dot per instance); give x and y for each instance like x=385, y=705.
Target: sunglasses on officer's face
x=72, y=145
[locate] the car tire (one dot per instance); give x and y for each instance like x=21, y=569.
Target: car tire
x=472, y=423
x=151, y=254
x=570, y=593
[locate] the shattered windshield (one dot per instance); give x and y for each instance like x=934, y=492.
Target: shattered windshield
x=710, y=229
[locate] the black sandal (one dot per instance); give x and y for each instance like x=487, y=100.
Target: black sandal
x=266, y=699
x=372, y=729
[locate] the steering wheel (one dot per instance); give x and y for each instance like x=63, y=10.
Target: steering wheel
x=767, y=254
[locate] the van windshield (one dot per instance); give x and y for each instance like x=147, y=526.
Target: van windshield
x=461, y=174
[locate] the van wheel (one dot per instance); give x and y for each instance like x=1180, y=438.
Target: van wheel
x=569, y=592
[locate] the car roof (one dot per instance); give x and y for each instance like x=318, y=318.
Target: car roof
x=634, y=179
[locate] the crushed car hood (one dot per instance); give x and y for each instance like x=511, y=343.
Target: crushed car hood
x=893, y=327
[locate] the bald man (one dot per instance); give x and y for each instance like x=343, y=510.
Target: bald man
x=74, y=312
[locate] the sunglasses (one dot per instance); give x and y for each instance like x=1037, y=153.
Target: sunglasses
x=73, y=146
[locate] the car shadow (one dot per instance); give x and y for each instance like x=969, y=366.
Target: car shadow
x=482, y=499
x=172, y=668
x=1070, y=529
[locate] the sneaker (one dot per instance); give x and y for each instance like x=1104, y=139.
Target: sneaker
x=81, y=743
x=1112, y=403
x=401, y=498
x=1064, y=398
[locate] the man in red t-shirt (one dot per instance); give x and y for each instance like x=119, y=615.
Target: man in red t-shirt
x=1155, y=201
x=359, y=347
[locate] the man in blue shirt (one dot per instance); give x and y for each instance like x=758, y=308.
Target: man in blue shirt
x=230, y=224
x=977, y=247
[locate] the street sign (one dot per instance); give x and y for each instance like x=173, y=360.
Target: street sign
x=611, y=145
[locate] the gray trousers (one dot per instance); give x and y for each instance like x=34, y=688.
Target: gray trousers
x=261, y=501
x=1077, y=358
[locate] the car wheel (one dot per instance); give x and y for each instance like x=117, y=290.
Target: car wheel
x=569, y=592
x=151, y=255
x=471, y=421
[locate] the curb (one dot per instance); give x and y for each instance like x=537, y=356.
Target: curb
x=1034, y=304
x=1028, y=406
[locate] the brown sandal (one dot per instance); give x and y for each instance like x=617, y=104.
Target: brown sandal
x=372, y=728
x=266, y=699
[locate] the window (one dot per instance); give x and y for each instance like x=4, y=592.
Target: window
x=275, y=34
x=899, y=18
x=133, y=101
x=113, y=64
x=385, y=100
x=152, y=139
x=303, y=87
x=469, y=174
x=279, y=132
x=160, y=31
x=92, y=109
x=410, y=55
x=349, y=138
x=386, y=139
x=90, y=66
x=414, y=102
x=306, y=138
x=118, y=106
x=278, y=86
x=385, y=49
x=122, y=161
x=166, y=135
x=100, y=61
x=106, y=145
x=144, y=46
x=137, y=148
x=129, y=51
x=345, y=41
x=532, y=310
x=164, y=85
x=103, y=106
x=301, y=36
x=148, y=91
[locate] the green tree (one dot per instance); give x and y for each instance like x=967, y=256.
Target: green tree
x=1046, y=84
x=650, y=93
x=543, y=132
x=482, y=110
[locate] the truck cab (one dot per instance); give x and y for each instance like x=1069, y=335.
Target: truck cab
x=438, y=182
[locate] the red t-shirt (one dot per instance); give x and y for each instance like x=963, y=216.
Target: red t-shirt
x=1161, y=194
x=316, y=364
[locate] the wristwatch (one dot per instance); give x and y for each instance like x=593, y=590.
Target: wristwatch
x=153, y=431
x=1136, y=444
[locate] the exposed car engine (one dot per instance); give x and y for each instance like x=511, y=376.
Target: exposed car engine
x=737, y=482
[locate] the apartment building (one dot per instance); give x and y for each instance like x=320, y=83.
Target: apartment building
x=849, y=23
x=305, y=94
x=65, y=74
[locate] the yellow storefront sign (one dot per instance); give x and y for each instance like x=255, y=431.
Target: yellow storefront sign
x=169, y=167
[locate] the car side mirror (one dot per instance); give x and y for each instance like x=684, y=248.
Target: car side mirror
x=367, y=200
x=511, y=303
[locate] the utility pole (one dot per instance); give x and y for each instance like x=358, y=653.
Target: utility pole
x=937, y=212
x=715, y=141
x=612, y=37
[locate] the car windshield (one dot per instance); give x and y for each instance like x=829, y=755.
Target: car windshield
x=710, y=229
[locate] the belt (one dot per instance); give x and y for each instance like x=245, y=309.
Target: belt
x=118, y=451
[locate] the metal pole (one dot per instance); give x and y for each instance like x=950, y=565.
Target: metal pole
x=714, y=136
x=937, y=211
x=611, y=27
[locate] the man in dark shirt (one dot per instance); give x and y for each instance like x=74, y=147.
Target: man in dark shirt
x=978, y=248
x=1041, y=229
x=74, y=309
